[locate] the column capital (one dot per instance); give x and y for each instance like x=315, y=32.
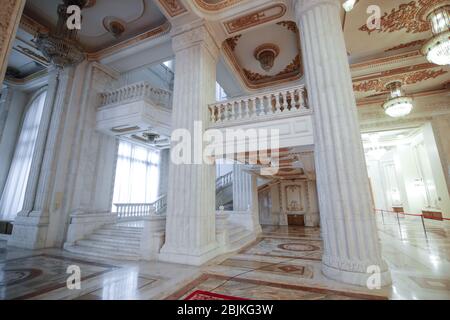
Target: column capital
x=303, y=6
x=194, y=35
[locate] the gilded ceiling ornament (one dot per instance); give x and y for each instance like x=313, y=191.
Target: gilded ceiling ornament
x=407, y=45
x=255, y=18
x=173, y=7
x=379, y=84
x=408, y=17
x=290, y=25
x=215, y=5
x=232, y=42
x=293, y=68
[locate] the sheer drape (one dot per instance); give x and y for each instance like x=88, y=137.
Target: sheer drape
x=137, y=174
x=11, y=201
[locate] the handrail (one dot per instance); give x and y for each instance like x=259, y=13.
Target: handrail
x=135, y=91
x=283, y=101
x=140, y=210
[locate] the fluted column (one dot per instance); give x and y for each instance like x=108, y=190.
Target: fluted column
x=242, y=189
x=163, y=171
x=312, y=218
x=10, y=14
x=347, y=220
x=190, y=229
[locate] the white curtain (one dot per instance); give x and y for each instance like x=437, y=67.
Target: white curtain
x=11, y=201
x=137, y=174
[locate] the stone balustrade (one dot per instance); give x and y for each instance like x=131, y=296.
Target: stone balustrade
x=137, y=91
x=135, y=211
x=224, y=180
x=262, y=105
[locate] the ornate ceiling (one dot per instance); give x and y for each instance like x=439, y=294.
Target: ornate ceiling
x=393, y=51
x=135, y=16
x=240, y=50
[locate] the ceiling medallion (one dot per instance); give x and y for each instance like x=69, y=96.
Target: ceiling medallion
x=397, y=105
x=114, y=25
x=60, y=46
x=437, y=49
x=266, y=54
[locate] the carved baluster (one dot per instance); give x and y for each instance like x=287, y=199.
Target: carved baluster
x=211, y=114
x=285, y=104
x=219, y=113
x=277, y=103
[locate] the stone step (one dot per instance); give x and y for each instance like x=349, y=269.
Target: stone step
x=101, y=253
x=119, y=248
x=114, y=239
x=119, y=234
x=123, y=229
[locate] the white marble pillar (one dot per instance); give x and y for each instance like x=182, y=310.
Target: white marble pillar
x=348, y=223
x=242, y=189
x=256, y=226
x=191, y=230
x=312, y=218
x=10, y=14
x=164, y=163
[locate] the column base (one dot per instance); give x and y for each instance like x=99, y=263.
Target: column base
x=29, y=232
x=357, y=277
x=189, y=256
x=312, y=220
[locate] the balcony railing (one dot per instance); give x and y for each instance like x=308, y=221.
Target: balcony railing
x=225, y=180
x=135, y=211
x=269, y=104
x=137, y=91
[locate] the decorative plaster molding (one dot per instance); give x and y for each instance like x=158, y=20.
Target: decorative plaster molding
x=151, y=34
x=199, y=34
x=408, y=75
x=215, y=6
x=410, y=17
x=173, y=7
x=255, y=18
x=32, y=26
x=290, y=25
x=407, y=45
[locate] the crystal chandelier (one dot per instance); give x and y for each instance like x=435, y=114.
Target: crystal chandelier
x=437, y=49
x=398, y=105
x=60, y=46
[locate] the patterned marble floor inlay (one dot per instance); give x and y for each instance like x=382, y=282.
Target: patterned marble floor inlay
x=286, y=248
x=283, y=263
x=262, y=290
x=29, y=277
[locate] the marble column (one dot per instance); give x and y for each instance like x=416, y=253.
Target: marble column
x=10, y=14
x=349, y=231
x=242, y=189
x=190, y=229
x=312, y=218
x=163, y=172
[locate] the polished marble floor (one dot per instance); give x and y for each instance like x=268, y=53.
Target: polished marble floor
x=284, y=263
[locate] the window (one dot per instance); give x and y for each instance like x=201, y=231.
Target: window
x=220, y=93
x=137, y=174
x=11, y=201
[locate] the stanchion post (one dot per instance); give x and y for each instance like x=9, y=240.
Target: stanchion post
x=423, y=225
x=399, y=226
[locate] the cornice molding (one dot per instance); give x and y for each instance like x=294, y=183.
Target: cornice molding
x=146, y=36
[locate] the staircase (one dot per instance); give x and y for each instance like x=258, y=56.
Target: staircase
x=238, y=237
x=119, y=241
x=224, y=191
